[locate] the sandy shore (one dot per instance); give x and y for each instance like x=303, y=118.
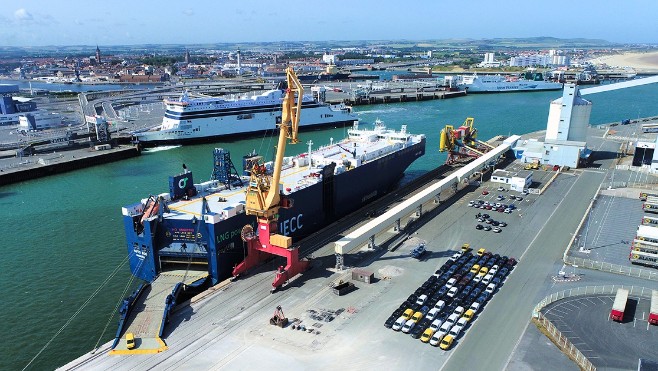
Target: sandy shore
x=641, y=62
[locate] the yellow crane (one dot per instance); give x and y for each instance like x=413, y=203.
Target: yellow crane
x=263, y=197
x=461, y=142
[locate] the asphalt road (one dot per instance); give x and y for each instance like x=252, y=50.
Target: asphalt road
x=495, y=334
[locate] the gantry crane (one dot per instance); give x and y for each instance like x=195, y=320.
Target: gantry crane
x=263, y=199
x=462, y=142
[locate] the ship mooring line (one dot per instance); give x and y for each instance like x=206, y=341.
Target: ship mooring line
x=82, y=307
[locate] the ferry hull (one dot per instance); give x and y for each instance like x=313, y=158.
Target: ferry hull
x=170, y=241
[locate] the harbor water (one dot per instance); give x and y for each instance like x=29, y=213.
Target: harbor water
x=64, y=265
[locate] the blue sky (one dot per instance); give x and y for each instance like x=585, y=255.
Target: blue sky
x=113, y=22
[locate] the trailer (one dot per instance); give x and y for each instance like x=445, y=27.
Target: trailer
x=619, y=306
x=644, y=258
x=647, y=233
x=653, y=313
x=645, y=246
x=651, y=221
x=650, y=207
x=645, y=194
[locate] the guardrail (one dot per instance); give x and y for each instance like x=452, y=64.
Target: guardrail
x=562, y=341
x=612, y=268
x=565, y=345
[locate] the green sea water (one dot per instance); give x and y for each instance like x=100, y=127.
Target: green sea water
x=65, y=236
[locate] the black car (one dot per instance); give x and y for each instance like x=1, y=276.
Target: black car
x=390, y=321
x=494, y=223
x=487, y=228
x=419, y=291
x=479, y=227
x=412, y=298
x=502, y=273
x=398, y=312
x=511, y=262
x=417, y=331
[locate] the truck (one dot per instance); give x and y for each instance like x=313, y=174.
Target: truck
x=619, y=306
x=653, y=312
x=647, y=233
x=418, y=252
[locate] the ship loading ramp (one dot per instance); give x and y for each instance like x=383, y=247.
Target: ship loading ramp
x=150, y=311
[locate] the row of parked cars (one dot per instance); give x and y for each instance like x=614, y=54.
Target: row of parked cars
x=443, y=306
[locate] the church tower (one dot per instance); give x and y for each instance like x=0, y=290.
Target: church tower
x=98, y=55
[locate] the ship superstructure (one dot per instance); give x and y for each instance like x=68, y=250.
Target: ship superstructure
x=203, y=119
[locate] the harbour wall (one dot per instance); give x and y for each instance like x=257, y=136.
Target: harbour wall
x=73, y=160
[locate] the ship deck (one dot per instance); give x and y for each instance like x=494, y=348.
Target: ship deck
x=146, y=317
x=228, y=202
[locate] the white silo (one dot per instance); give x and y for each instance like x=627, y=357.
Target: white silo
x=568, y=117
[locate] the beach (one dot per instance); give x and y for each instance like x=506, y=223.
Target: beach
x=641, y=62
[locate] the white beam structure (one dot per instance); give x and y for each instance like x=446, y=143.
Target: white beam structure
x=619, y=85
x=364, y=233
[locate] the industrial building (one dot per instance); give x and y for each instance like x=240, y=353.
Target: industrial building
x=517, y=181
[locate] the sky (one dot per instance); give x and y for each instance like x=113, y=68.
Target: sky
x=123, y=22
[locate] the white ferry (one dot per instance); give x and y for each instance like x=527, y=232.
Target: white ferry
x=202, y=119
x=500, y=84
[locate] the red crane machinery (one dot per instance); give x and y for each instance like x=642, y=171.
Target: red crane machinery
x=263, y=199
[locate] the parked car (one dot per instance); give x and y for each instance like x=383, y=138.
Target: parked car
x=437, y=337
x=486, y=228
x=427, y=335
x=399, y=323
x=390, y=321
x=452, y=292
x=496, y=229
x=408, y=326
x=446, y=343
x=485, y=192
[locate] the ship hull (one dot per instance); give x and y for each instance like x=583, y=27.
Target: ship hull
x=313, y=208
x=510, y=87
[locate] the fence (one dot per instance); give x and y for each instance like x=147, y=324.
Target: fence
x=562, y=341
x=612, y=268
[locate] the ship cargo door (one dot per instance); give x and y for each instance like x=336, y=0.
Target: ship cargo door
x=328, y=192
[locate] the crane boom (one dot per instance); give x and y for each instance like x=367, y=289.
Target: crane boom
x=262, y=197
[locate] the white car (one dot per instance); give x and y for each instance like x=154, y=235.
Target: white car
x=487, y=279
x=421, y=299
x=494, y=269
x=451, y=282
x=496, y=230
x=432, y=314
x=455, y=256
x=399, y=323
x=437, y=337
x=436, y=324
x=507, y=211
x=408, y=326
x=459, y=311
x=475, y=307
x=471, y=203
x=477, y=278
x=490, y=288
x=440, y=304
x=456, y=330
x=452, y=292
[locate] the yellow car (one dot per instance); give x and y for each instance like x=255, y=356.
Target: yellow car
x=468, y=315
x=408, y=313
x=483, y=271
x=481, y=252
x=427, y=335
x=446, y=342
x=466, y=247
x=475, y=268
x=417, y=317
x=130, y=340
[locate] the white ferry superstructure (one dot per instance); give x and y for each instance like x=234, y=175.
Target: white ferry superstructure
x=202, y=119
x=499, y=84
